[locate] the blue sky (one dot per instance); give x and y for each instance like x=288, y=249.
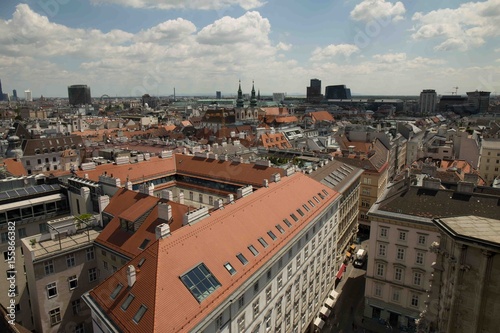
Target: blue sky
x=131, y=47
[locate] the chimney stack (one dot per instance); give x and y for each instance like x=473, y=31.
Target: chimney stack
x=164, y=211
x=167, y=194
x=162, y=231
x=131, y=275
x=181, y=198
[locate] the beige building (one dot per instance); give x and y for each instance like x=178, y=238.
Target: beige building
x=60, y=267
x=489, y=160
x=465, y=288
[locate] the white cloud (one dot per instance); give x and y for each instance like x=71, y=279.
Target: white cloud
x=183, y=4
x=168, y=31
x=380, y=10
x=283, y=46
x=332, y=50
x=390, y=57
x=462, y=28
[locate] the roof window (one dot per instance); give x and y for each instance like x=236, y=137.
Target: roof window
x=200, y=282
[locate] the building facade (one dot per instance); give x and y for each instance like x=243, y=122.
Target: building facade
x=489, y=159
x=79, y=95
x=428, y=102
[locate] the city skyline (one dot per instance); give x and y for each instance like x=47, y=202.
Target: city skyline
x=128, y=48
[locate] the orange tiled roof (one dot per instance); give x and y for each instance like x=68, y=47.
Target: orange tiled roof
x=213, y=241
x=131, y=205
x=15, y=167
x=277, y=140
x=322, y=116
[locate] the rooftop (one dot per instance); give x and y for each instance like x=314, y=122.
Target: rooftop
x=476, y=228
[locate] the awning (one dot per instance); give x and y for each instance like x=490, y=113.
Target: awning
x=353, y=247
x=325, y=311
x=329, y=302
x=348, y=254
x=341, y=271
x=319, y=322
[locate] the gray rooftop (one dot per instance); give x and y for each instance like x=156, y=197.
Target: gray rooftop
x=480, y=228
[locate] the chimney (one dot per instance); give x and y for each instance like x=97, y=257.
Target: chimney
x=162, y=231
x=275, y=177
x=164, y=211
x=128, y=185
x=131, y=275
x=265, y=183
x=429, y=169
x=219, y=204
x=465, y=187
x=167, y=194
x=351, y=149
x=471, y=177
x=86, y=176
x=103, y=202
x=181, y=198
x=432, y=183
x=230, y=198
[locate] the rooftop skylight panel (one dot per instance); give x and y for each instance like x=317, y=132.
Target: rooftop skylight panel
x=272, y=235
x=280, y=228
x=229, y=268
x=263, y=242
x=288, y=224
x=200, y=282
x=306, y=208
x=127, y=302
x=117, y=290
x=295, y=218
x=326, y=193
x=321, y=196
x=301, y=213
x=242, y=258
x=140, y=313
x=311, y=203
x=144, y=244
x=141, y=262
x=253, y=250
x=316, y=199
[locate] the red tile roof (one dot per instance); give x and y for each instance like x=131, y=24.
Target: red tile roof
x=322, y=116
x=14, y=167
x=213, y=241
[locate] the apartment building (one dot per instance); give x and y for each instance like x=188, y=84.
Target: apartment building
x=259, y=263
x=489, y=160
x=400, y=262
x=28, y=202
x=464, y=291
x=60, y=266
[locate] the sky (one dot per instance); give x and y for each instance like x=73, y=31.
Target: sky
x=132, y=47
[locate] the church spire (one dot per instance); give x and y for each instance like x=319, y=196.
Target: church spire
x=239, y=101
x=253, y=100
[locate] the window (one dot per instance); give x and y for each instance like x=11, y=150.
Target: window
x=241, y=301
x=90, y=254
x=367, y=181
x=280, y=228
x=76, y=305
x=210, y=200
x=255, y=307
x=402, y=236
x=365, y=203
x=294, y=217
x=241, y=323
x=104, y=253
x=366, y=191
x=398, y=274
x=105, y=263
x=417, y=278
x=288, y=223
x=191, y=196
x=242, y=258
x=49, y=267
x=70, y=260
x=51, y=290
x=422, y=239
x=280, y=281
x=269, y=294
x=289, y=271
x=382, y=250
x=218, y=322
x=272, y=235
x=301, y=213
x=311, y=203
x=380, y=269
x=420, y=258
x=92, y=274
x=21, y=232
x=263, y=242
x=143, y=245
x=256, y=287
x=200, y=281
x=73, y=282
x=55, y=316
x=414, y=300
x=140, y=313
x=200, y=198
x=127, y=302
x=306, y=208
x=396, y=295
x=229, y=268
x=79, y=328
x=117, y=290
x=378, y=290
x=253, y=250
x=400, y=254
x=383, y=232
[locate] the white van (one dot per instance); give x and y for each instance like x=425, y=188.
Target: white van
x=360, y=258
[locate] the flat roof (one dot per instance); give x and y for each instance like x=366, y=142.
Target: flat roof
x=474, y=227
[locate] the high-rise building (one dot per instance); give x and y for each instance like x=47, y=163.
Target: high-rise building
x=27, y=96
x=428, y=101
x=79, y=94
x=314, y=91
x=14, y=95
x=337, y=92
x=480, y=100
x=218, y=95
x=1, y=92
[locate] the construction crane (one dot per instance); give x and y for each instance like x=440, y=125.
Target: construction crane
x=456, y=90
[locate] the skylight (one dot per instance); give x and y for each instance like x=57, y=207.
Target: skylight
x=144, y=244
x=272, y=235
x=316, y=199
x=229, y=268
x=312, y=203
x=200, y=282
x=140, y=313
x=116, y=291
x=301, y=213
x=127, y=302
x=294, y=217
x=141, y=262
x=324, y=191
x=306, y=208
x=253, y=250
x=242, y=258
x=288, y=224
x=263, y=242
x=280, y=228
